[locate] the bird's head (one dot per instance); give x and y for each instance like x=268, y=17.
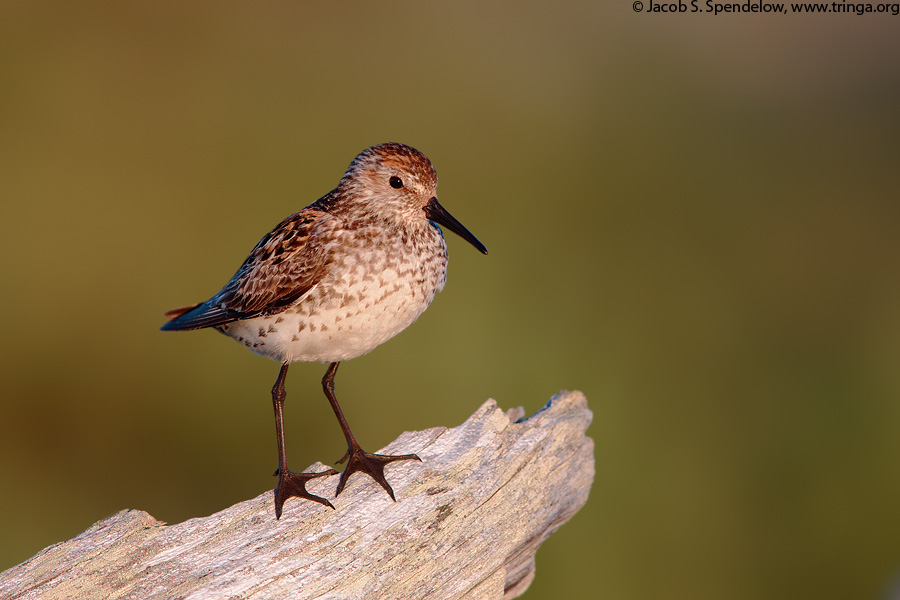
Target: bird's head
x=397, y=184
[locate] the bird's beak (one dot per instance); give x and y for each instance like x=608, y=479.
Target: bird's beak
x=436, y=213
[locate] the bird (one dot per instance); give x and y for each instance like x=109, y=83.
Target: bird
x=332, y=282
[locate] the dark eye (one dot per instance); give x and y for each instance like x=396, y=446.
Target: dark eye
x=396, y=182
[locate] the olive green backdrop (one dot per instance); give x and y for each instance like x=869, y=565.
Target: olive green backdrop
x=692, y=219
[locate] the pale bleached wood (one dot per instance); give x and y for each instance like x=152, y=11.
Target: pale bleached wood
x=467, y=523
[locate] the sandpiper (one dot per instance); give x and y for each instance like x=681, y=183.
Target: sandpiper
x=333, y=281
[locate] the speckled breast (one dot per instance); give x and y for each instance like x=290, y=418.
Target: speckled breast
x=377, y=284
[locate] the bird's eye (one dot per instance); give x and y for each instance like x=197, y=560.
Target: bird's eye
x=396, y=182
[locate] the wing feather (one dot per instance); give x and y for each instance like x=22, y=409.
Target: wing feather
x=286, y=263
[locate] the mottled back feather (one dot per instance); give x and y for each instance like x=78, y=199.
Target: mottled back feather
x=285, y=264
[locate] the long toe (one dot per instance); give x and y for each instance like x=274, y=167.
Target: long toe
x=372, y=465
x=292, y=484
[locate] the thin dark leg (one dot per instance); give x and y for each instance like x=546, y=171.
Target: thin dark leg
x=289, y=483
x=359, y=460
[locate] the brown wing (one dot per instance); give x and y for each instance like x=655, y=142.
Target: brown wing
x=283, y=266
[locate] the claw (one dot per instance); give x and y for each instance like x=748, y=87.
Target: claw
x=372, y=465
x=292, y=484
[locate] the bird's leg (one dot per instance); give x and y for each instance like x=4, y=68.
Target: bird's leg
x=359, y=460
x=289, y=483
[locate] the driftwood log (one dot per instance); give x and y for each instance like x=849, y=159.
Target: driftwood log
x=467, y=524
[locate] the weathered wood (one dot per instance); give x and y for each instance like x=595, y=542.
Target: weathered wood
x=467, y=523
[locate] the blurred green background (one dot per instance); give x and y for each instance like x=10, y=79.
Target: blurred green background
x=692, y=219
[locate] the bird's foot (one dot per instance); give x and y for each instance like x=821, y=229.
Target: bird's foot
x=370, y=464
x=292, y=484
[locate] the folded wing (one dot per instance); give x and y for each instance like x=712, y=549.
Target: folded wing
x=286, y=264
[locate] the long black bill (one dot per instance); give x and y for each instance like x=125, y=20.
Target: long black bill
x=435, y=212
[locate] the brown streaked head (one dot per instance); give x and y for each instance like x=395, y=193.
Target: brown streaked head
x=395, y=182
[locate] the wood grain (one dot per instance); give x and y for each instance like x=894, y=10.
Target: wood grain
x=466, y=525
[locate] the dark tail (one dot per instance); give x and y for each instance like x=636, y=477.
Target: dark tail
x=198, y=316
